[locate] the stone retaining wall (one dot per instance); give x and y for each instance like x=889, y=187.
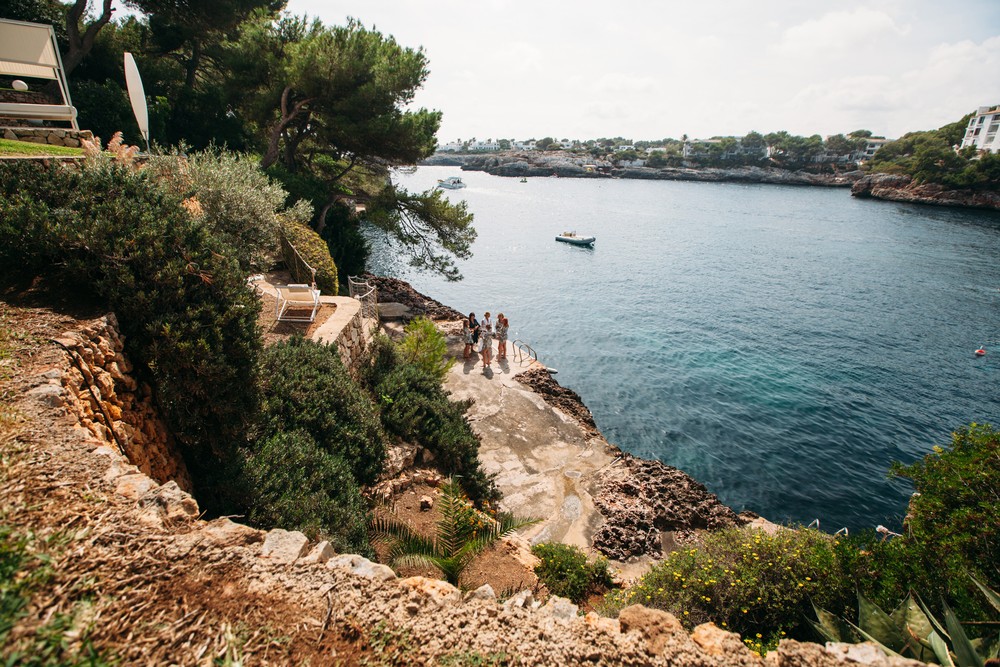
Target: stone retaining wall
x=53, y=136
x=111, y=404
x=354, y=338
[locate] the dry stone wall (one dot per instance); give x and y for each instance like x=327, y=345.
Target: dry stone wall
x=111, y=404
x=354, y=338
x=53, y=136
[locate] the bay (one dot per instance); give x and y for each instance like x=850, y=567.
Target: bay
x=782, y=345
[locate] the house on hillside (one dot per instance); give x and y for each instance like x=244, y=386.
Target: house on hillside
x=488, y=146
x=981, y=133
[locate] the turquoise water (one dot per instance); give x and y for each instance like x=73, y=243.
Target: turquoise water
x=783, y=345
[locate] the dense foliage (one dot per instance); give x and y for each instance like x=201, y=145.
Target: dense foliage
x=300, y=485
x=566, y=571
x=747, y=581
x=313, y=251
x=305, y=387
x=953, y=529
x=417, y=409
x=189, y=318
x=426, y=348
x=325, y=108
x=930, y=157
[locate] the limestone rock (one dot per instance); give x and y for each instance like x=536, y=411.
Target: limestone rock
x=657, y=627
x=361, y=566
x=175, y=504
x=426, y=503
x=284, y=546
x=51, y=395
x=866, y=653
x=715, y=641
x=134, y=486
x=226, y=533
x=523, y=600
x=558, y=607
x=435, y=590
x=321, y=553
x=484, y=592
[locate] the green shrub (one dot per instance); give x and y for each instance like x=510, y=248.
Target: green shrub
x=189, y=318
x=417, y=409
x=299, y=486
x=565, y=571
x=426, y=348
x=951, y=530
x=305, y=386
x=746, y=581
x=230, y=194
x=314, y=251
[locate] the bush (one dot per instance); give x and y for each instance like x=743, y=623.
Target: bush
x=952, y=528
x=566, y=572
x=417, y=409
x=746, y=581
x=426, y=348
x=229, y=193
x=189, y=318
x=306, y=387
x=314, y=251
x=299, y=486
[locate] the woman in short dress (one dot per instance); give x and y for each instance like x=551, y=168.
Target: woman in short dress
x=467, y=338
x=486, y=344
x=501, y=333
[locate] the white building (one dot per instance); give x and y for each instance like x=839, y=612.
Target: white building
x=487, y=146
x=982, y=130
x=450, y=147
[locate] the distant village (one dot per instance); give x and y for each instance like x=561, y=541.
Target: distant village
x=854, y=148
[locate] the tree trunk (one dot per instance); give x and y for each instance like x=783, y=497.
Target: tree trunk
x=287, y=116
x=80, y=45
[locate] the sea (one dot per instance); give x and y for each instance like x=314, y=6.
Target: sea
x=783, y=345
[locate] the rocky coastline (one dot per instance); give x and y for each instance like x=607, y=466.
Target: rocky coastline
x=646, y=507
x=568, y=165
x=901, y=188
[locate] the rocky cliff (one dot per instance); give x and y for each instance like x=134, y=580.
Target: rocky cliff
x=903, y=189
x=557, y=163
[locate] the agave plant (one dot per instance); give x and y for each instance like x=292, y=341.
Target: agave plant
x=912, y=631
x=462, y=533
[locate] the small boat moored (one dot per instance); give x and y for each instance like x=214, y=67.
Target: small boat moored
x=451, y=183
x=576, y=239
x=981, y=352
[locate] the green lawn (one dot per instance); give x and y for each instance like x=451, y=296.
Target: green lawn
x=10, y=148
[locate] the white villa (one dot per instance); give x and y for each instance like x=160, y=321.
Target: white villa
x=982, y=130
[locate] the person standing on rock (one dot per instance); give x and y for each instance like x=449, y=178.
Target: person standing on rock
x=474, y=325
x=486, y=344
x=467, y=338
x=501, y=332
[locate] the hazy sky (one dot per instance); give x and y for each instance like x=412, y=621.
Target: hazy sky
x=648, y=69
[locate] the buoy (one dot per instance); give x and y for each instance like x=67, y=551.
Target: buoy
x=981, y=352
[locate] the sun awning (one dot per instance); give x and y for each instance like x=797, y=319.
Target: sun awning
x=28, y=49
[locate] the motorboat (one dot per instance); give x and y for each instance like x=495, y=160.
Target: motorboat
x=576, y=239
x=524, y=179
x=451, y=183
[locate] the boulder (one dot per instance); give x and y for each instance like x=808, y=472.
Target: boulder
x=134, y=485
x=320, y=553
x=284, y=546
x=435, y=590
x=361, y=566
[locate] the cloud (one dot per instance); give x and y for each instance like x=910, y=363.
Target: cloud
x=836, y=33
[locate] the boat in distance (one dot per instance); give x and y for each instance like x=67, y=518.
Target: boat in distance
x=576, y=239
x=451, y=183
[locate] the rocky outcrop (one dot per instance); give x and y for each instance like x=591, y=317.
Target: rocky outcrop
x=99, y=389
x=571, y=165
x=647, y=502
x=901, y=188
x=540, y=381
x=399, y=291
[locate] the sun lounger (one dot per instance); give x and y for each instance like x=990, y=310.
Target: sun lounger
x=293, y=301
x=61, y=112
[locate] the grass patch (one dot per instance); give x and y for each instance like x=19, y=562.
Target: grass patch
x=10, y=148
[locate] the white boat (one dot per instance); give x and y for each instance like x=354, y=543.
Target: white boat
x=451, y=183
x=576, y=239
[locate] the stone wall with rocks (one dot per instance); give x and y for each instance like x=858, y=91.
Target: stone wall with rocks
x=53, y=136
x=354, y=338
x=97, y=387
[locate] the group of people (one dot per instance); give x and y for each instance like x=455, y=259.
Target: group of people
x=480, y=334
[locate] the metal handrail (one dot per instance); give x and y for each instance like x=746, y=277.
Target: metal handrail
x=522, y=347
x=365, y=292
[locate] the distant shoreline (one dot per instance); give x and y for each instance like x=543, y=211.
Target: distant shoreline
x=567, y=165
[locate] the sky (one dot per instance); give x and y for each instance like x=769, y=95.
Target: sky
x=651, y=69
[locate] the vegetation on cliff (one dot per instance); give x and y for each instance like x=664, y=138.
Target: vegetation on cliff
x=324, y=109
x=930, y=157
